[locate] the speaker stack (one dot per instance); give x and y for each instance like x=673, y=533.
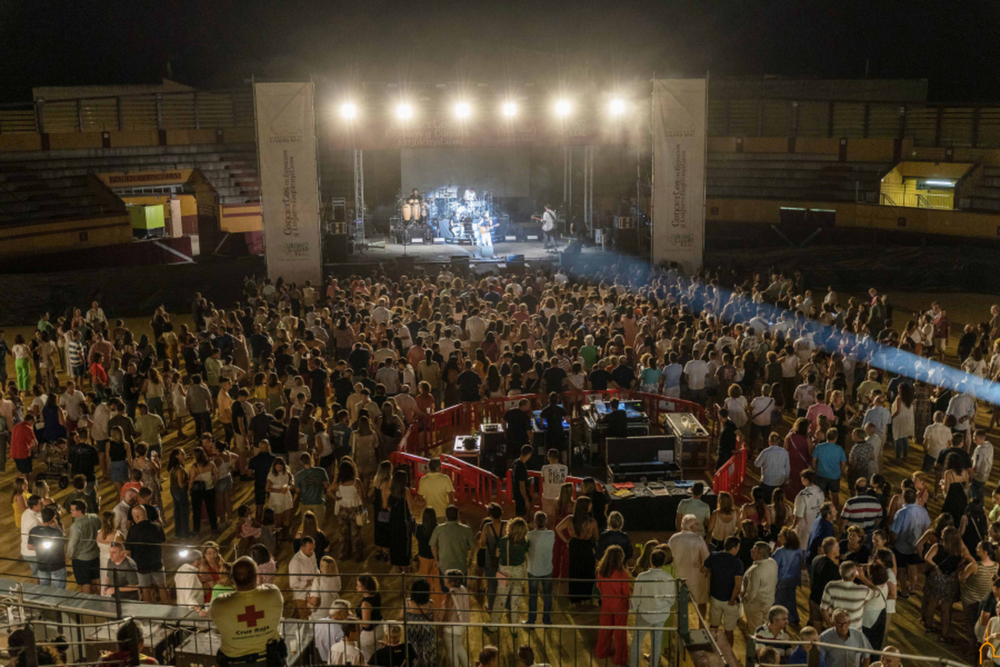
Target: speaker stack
x=626, y=236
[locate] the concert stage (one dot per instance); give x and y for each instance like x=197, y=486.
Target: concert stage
x=534, y=254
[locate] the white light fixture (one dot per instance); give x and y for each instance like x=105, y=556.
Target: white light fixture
x=563, y=108
x=183, y=553
x=47, y=544
x=404, y=111
x=348, y=111
x=509, y=109
x=947, y=184
x=463, y=110
x=617, y=107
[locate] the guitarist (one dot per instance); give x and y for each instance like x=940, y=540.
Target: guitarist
x=549, y=226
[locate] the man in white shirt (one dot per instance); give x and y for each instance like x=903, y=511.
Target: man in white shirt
x=381, y=314
x=190, y=592
x=30, y=518
x=302, y=570
x=696, y=371
x=937, y=438
x=541, y=541
x=553, y=476
x=963, y=407
x=248, y=618
x=346, y=651
x=774, y=466
x=982, y=464
x=805, y=396
x=72, y=401
x=406, y=403
x=476, y=328
x=328, y=631
x=807, y=507
x=652, y=602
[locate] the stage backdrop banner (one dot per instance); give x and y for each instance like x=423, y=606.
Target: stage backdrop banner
x=289, y=184
x=502, y=171
x=679, y=172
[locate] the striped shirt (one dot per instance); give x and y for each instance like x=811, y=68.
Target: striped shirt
x=76, y=357
x=864, y=511
x=849, y=596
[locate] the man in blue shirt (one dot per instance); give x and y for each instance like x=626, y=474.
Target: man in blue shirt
x=830, y=463
x=907, y=526
x=822, y=528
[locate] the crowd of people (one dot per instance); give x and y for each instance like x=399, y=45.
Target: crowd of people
x=299, y=394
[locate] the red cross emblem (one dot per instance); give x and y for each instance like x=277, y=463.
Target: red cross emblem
x=250, y=616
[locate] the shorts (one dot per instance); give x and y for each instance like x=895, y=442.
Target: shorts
x=78, y=371
x=723, y=614
x=23, y=465
x=259, y=497
x=940, y=344
x=827, y=485
x=119, y=471
x=153, y=579
x=327, y=461
x=86, y=571
x=902, y=560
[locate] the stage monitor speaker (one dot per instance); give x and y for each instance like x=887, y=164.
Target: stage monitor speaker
x=640, y=449
x=460, y=262
x=515, y=260
x=336, y=248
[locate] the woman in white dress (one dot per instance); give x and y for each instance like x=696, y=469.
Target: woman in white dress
x=902, y=420
x=279, y=490
x=178, y=398
x=325, y=589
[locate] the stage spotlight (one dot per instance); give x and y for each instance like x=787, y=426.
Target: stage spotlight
x=463, y=110
x=404, y=111
x=563, y=107
x=348, y=111
x=183, y=553
x=617, y=107
x=509, y=109
x=47, y=544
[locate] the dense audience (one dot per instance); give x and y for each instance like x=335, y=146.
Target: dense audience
x=300, y=393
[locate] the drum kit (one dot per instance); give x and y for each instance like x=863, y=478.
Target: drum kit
x=455, y=214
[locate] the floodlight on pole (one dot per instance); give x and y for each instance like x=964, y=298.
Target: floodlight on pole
x=509, y=109
x=404, y=111
x=463, y=110
x=563, y=107
x=348, y=111
x=617, y=106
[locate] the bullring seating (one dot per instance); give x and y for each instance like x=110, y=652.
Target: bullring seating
x=795, y=176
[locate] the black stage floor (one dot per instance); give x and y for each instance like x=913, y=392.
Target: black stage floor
x=534, y=252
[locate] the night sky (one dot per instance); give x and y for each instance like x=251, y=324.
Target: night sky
x=221, y=43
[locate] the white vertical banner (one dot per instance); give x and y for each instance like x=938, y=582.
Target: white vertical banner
x=679, y=123
x=289, y=182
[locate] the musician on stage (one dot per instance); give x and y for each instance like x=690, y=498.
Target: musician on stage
x=415, y=198
x=549, y=226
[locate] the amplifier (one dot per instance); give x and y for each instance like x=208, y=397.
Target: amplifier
x=336, y=247
x=338, y=227
x=622, y=222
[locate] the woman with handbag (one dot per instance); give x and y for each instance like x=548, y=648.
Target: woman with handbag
x=201, y=485
x=486, y=559
x=512, y=555
x=349, y=507
x=380, y=510
x=400, y=521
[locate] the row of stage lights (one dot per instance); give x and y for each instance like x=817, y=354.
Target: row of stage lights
x=462, y=110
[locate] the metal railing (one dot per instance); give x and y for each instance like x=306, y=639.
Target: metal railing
x=926, y=125
x=76, y=627
x=186, y=110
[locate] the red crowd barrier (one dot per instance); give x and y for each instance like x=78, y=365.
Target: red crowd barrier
x=473, y=485
x=731, y=475
x=536, y=484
